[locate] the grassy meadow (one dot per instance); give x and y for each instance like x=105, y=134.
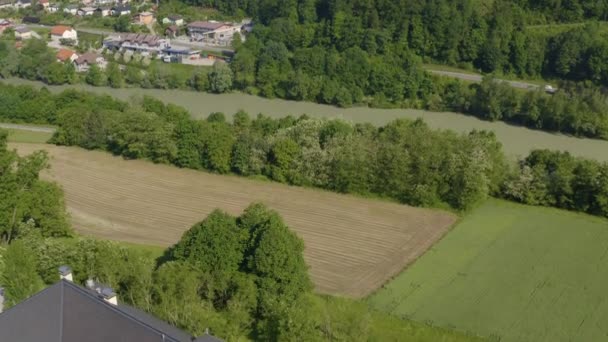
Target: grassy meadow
x=24, y=136
x=510, y=272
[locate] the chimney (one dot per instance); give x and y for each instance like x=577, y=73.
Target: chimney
x=65, y=272
x=90, y=284
x=108, y=295
x=1, y=299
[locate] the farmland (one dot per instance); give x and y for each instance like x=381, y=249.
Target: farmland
x=353, y=245
x=510, y=271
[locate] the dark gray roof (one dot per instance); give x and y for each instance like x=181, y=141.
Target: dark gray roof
x=66, y=312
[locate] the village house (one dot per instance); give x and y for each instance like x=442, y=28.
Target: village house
x=68, y=312
x=65, y=55
x=174, y=19
x=103, y=11
x=83, y=62
x=71, y=9
x=22, y=33
x=6, y=4
x=28, y=19
x=212, y=31
x=120, y=10
x=85, y=11
x=172, y=31
x=144, y=18
x=52, y=8
x=44, y=4
x=141, y=43
x=4, y=24
x=23, y=3
x=62, y=32
x=103, y=2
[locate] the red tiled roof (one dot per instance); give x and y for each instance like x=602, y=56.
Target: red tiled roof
x=59, y=30
x=64, y=54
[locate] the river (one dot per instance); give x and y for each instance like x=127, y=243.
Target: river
x=516, y=140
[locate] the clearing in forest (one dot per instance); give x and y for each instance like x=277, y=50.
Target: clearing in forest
x=515, y=272
x=353, y=245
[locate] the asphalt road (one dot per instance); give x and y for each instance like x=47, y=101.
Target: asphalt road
x=28, y=128
x=477, y=78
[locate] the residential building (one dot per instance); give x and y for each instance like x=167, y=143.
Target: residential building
x=174, y=19
x=22, y=33
x=103, y=11
x=136, y=42
x=65, y=55
x=4, y=24
x=71, y=9
x=84, y=61
x=62, y=32
x=67, y=312
x=85, y=11
x=144, y=18
x=52, y=8
x=6, y=4
x=172, y=31
x=103, y=2
x=120, y=10
x=23, y=3
x=179, y=54
x=28, y=19
x=44, y=4
x=212, y=31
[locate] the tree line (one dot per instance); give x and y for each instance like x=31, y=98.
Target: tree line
x=403, y=160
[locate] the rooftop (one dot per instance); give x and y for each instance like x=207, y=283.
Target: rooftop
x=89, y=58
x=22, y=29
x=66, y=312
x=59, y=30
x=139, y=38
x=63, y=55
x=209, y=25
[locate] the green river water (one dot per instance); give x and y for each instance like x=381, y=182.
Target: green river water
x=517, y=141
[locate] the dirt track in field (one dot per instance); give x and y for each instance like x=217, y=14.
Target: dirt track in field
x=353, y=245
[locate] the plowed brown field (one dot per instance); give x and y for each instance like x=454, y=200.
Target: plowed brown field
x=353, y=245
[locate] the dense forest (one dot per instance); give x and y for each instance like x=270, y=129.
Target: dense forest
x=243, y=278
x=404, y=160
x=492, y=36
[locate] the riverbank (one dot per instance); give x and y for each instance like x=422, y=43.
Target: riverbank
x=517, y=141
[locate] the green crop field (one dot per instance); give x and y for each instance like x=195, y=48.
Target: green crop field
x=512, y=272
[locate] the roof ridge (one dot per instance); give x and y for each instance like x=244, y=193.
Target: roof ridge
x=88, y=293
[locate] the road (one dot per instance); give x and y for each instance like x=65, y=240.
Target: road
x=477, y=78
x=30, y=128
